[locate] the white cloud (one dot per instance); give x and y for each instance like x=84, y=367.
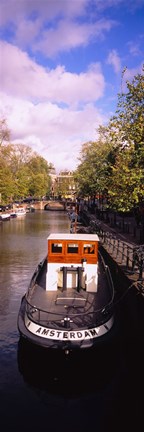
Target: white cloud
x=68, y=35
x=134, y=48
x=24, y=78
x=42, y=107
x=55, y=133
x=50, y=26
x=114, y=60
x=129, y=74
x=15, y=10
x=26, y=31
x=47, y=9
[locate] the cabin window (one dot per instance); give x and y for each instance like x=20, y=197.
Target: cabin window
x=89, y=248
x=72, y=248
x=56, y=248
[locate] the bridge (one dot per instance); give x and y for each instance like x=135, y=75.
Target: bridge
x=48, y=204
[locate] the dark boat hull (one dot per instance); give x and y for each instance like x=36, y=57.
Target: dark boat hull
x=86, y=339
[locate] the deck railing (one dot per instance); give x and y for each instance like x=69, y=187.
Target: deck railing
x=60, y=320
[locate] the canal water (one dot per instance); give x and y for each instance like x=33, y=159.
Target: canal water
x=95, y=392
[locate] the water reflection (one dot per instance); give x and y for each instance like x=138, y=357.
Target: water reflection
x=23, y=243
x=79, y=373
x=85, y=389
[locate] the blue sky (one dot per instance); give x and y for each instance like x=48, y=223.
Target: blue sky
x=61, y=63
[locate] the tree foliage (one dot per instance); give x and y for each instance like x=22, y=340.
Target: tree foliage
x=114, y=164
x=92, y=175
x=22, y=172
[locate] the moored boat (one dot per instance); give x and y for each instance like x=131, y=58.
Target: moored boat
x=13, y=214
x=69, y=303
x=20, y=211
x=30, y=209
x=4, y=216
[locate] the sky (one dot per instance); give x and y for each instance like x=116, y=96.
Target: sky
x=61, y=64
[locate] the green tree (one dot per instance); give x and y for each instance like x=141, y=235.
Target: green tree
x=93, y=172
x=22, y=182
x=39, y=176
x=114, y=164
x=7, y=186
x=22, y=171
x=129, y=119
x=126, y=184
x=127, y=181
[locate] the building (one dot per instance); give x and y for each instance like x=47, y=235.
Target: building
x=63, y=185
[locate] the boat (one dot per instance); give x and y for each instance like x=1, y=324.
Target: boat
x=69, y=303
x=30, y=209
x=13, y=214
x=4, y=216
x=20, y=211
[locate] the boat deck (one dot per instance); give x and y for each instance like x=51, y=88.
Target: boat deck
x=78, y=305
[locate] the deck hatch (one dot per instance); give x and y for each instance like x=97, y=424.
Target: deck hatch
x=70, y=301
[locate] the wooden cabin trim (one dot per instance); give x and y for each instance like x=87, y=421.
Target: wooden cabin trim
x=65, y=257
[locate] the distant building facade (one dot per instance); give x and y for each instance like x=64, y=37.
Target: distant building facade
x=63, y=185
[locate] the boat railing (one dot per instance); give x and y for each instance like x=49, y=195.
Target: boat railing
x=47, y=318
x=108, y=275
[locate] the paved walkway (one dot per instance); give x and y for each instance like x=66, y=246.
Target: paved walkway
x=124, y=229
